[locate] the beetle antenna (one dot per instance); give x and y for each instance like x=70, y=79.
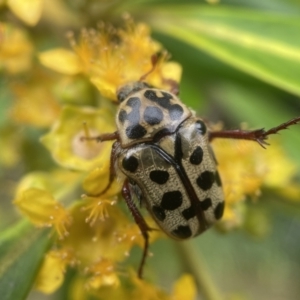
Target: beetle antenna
x=154, y=60
x=174, y=87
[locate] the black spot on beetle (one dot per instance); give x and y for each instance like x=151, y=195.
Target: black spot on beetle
x=201, y=127
x=130, y=163
x=153, y=115
x=197, y=156
x=182, y=232
x=218, y=179
x=219, y=209
x=134, y=102
x=136, y=131
x=175, y=111
x=163, y=101
x=122, y=116
x=159, y=176
x=158, y=212
x=171, y=200
x=206, y=203
x=189, y=213
x=206, y=180
x=134, y=115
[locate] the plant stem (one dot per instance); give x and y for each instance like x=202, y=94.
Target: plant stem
x=194, y=263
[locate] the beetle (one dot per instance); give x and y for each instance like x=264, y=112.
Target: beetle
x=163, y=150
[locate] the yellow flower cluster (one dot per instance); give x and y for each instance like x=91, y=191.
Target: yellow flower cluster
x=245, y=167
x=111, y=58
x=94, y=234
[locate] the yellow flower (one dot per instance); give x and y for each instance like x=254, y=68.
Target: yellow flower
x=112, y=57
x=280, y=168
x=102, y=274
x=184, y=288
x=43, y=210
x=16, y=50
x=110, y=64
x=65, y=139
x=147, y=290
x=37, y=198
x=51, y=274
x=129, y=236
x=28, y=11
x=61, y=60
x=93, y=249
x=58, y=182
x=99, y=208
x=97, y=181
x=91, y=242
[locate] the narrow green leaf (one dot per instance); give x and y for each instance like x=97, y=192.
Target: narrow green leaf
x=265, y=45
x=22, y=249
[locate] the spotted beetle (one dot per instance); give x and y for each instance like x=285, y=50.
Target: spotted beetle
x=164, y=151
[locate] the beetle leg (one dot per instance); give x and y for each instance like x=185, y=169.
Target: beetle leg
x=102, y=138
x=140, y=221
x=112, y=171
x=259, y=135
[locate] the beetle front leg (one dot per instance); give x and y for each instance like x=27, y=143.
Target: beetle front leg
x=115, y=146
x=112, y=171
x=102, y=138
x=259, y=135
x=140, y=221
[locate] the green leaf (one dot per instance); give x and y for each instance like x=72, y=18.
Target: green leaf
x=263, y=44
x=22, y=249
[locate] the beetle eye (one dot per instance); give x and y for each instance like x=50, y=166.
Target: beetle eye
x=201, y=127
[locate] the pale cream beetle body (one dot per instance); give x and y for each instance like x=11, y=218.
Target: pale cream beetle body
x=165, y=153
